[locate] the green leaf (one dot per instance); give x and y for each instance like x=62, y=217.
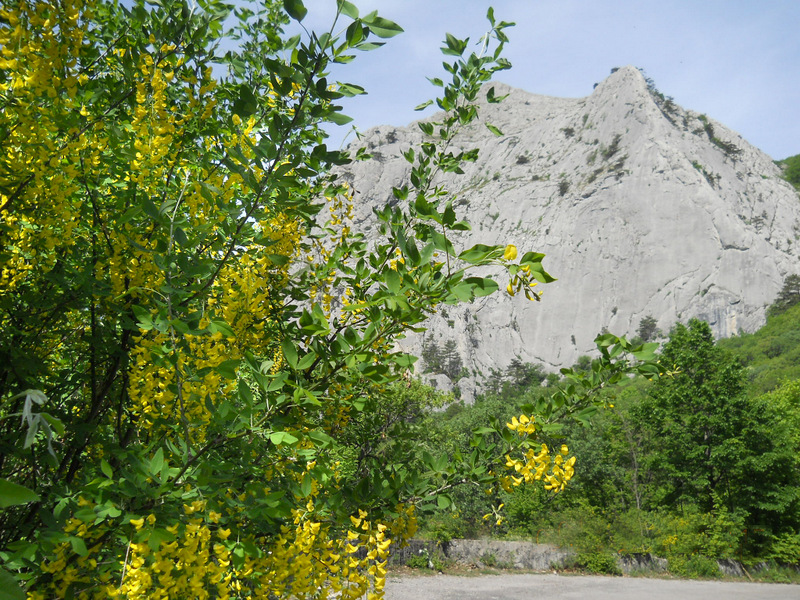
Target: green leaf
x=393, y=281
x=130, y=214
x=106, y=468
x=307, y=360
x=494, y=129
x=157, y=462
x=449, y=216
x=247, y=103
x=492, y=99
x=481, y=253
x=338, y=118
x=55, y=423
x=295, y=9
x=145, y=320
x=289, y=352
x=462, y=291
x=427, y=128
x=282, y=437
x=405, y=361
x=350, y=89
x=647, y=351
x=584, y=417
x=228, y=368
x=11, y=589
x=12, y=494
x=321, y=438
x=78, y=546
x=482, y=286
x=423, y=106
x=423, y=207
x=221, y=327
x=348, y=9
x=159, y=536
x=305, y=486
x=383, y=28
x=453, y=45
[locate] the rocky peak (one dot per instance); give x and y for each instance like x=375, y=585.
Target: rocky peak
x=642, y=207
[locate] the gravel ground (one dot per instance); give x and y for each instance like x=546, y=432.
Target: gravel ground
x=560, y=587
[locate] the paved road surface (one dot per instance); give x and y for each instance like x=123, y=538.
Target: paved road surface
x=561, y=587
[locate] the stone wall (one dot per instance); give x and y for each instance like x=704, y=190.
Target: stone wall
x=531, y=557
x=516, y=555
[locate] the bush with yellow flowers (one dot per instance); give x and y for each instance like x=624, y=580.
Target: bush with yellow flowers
x=188, y=348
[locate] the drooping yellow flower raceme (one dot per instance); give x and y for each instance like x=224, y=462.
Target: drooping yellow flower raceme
x=534, y=466
x=523, y=426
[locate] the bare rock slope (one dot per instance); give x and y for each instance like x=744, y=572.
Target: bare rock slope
x=642, y=208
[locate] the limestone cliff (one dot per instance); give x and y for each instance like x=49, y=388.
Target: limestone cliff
x=642, y=208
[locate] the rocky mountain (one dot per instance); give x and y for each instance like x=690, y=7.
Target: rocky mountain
x=643, y=209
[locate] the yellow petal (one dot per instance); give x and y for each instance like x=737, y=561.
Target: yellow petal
x=510, y=252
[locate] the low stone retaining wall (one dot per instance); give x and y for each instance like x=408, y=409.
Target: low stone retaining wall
x=628, y=563
x=530, y=556
x=490, y=553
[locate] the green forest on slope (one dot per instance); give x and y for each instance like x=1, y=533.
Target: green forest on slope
x=696, y=466
x=791, y=169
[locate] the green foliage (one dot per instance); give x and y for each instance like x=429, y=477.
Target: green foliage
x=648, y=329
x=427, y=559
x=771, y=354
x=785, y=548
x=516, y=380
x=772, y=572
x=710, y=438
x=729, y=148
x=523, y=375
x=791, y=170
x=443, y=360
x=785, y=403
x=787, y=297
x=612, y=148
x=603, y=563
x=695, y=566
x=688, y=466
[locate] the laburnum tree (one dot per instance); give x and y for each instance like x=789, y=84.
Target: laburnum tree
x=197, y=352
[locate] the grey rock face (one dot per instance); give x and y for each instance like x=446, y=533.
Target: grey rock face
x=642, y=208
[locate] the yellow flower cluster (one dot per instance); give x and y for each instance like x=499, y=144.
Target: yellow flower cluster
x=198, y=557
x=340, y=208
x=533, y=466
x=397, y=260
x=196, y=563
x=521, y=281
x=523, y=426
x=39, y=43
x=73, y=565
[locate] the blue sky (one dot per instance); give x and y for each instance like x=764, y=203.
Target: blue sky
x=737, y=61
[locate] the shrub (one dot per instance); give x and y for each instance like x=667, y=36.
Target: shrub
x=694, y=566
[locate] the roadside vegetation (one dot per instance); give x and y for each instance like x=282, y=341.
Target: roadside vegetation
x=697, y=466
